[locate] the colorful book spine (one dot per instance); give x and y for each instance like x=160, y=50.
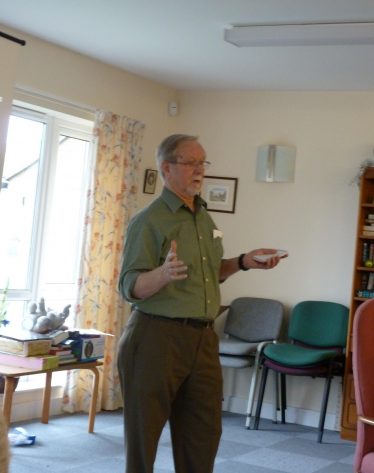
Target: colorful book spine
x=365, y=252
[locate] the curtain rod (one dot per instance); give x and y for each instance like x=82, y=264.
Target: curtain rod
x=22, y=42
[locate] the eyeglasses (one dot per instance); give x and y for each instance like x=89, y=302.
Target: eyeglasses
x=191, y=163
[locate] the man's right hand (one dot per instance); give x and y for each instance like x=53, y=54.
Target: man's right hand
x=150, y=282
x=174, y=269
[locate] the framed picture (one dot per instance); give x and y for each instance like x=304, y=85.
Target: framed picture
x=220, y=193
x=150, y=180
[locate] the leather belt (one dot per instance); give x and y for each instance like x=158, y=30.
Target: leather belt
x=197, y=323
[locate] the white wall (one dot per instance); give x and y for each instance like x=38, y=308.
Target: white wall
x=314, y=218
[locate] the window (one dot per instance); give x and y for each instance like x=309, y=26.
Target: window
x=42, y=203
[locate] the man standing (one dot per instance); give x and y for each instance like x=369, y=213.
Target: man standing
x=168, y=355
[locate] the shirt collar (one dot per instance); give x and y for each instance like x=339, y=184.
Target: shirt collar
x=174, y=202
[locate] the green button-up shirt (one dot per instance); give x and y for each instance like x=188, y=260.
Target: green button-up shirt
x=199, y=246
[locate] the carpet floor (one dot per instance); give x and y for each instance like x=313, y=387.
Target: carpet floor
x=64, y=445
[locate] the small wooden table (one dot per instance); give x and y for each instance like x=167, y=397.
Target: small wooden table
x=11, y=373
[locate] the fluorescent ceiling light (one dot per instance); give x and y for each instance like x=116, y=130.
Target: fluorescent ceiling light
x=305, y=34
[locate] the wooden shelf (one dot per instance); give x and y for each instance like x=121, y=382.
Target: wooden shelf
x=365, y=207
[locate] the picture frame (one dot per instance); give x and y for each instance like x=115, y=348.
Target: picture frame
x=150, y=181
x=220, y=193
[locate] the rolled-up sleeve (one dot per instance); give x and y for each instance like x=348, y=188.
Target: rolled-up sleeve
x=141, y=254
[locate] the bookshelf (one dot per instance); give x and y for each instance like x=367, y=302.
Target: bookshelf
x=362, y=289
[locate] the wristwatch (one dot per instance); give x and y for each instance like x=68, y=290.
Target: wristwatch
x=241, y=263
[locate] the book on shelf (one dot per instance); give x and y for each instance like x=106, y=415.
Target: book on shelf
x=364, y=281
x=368, y=228
x=365, y=252
x=371, y=251
x=365, y=294
x=366, y=285
x=370, y=284
x=33, y=362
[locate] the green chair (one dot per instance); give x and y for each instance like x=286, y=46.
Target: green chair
x=317, y=335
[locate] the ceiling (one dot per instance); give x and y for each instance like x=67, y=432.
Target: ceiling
x=180, y=43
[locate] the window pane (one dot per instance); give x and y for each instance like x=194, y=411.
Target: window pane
x=61, y=252
x=17, y=200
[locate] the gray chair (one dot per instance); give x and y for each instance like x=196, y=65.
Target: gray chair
x=251, y=324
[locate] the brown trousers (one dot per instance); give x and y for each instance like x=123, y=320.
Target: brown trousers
x=170, y=371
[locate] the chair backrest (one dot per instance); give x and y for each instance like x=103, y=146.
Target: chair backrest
x=253, y=319
x=362, y=363
x=363, y=358
x=319, y=324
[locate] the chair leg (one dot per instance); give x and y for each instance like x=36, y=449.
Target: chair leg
x=283, y=397
x=325, y=401
x=261, y=392
x=252, y=391
x=276, y=398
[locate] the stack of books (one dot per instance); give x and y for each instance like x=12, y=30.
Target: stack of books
x=26, y=349
x=367, y=286
x=65, y=354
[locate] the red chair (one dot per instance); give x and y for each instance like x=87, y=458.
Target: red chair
x=363, y=363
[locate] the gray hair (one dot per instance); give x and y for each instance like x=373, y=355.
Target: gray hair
x=166, y=150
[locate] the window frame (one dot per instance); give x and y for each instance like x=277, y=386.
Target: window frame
x=56, y=123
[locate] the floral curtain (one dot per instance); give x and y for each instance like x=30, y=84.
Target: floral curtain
x=111, y=202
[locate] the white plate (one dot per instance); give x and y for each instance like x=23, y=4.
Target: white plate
x=264, y=258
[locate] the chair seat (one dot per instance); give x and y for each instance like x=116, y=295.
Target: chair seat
x=234, y=347
x=296, y=355
x=236, y=361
